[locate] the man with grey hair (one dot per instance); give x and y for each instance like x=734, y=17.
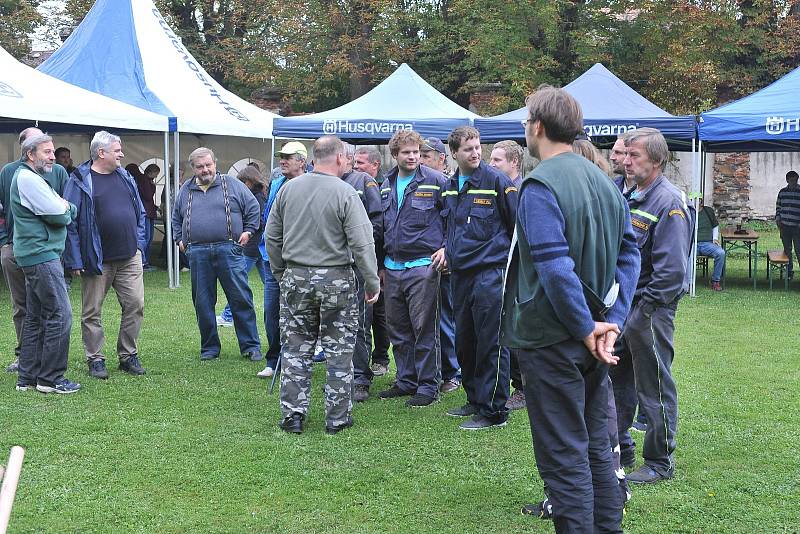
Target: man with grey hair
x=663, y=223
x=105, y=244
x=215, y=215
x=14, y=277
x=317, y=230
x=40, y=220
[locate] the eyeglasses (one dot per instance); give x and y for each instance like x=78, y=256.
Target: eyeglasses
x=525, y=122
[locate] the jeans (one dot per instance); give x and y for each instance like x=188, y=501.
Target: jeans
x=222, y=261
x=715, y=252
x=272, y=317
x=249, y=261
x=790, y=235
x=15, y=279
x=149, y=228
x=451, y=368
x=48, y=320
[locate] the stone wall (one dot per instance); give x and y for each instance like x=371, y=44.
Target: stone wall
x=731, y=197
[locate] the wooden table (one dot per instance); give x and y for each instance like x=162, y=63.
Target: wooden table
x=742, y=241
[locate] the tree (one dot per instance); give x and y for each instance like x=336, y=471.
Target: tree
x=18, y=20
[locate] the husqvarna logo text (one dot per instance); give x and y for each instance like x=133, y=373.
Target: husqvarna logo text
x=778, y=125
x=332, y=126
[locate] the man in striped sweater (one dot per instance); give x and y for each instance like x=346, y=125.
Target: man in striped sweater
x=787, y=217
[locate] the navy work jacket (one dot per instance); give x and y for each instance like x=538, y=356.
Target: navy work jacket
x=417, y=229
x=480, y=219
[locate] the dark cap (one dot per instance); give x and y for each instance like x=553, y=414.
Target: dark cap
x=433, y=143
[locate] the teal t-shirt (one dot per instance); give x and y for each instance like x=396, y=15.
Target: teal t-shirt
x=462, y=179
x=402, y=183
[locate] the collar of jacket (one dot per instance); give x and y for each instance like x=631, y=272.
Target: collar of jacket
x=194, y=185
x=640, y=197
x=474, y=179
x=421, y=173
x=83, y=173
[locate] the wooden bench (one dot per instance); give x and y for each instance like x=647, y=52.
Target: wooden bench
x=778, y=262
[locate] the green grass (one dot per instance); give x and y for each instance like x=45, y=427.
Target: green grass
x=194, y=447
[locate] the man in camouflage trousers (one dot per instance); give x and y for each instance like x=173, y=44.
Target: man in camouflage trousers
x=316, y=230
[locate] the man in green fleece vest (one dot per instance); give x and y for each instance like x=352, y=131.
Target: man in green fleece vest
x=571, y=278
x=41, y=217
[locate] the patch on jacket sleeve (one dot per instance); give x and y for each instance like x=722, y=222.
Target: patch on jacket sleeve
x=640, y=224
x=510, y=189
x=482, y=201
x=677, y=212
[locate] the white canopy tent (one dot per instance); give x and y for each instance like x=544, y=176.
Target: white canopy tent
x=124, y=49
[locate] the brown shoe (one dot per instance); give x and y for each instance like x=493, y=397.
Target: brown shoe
x=516, y=401
x=716, y=286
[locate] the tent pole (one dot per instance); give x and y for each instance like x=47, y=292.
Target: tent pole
x=176, y=141
x=166, y=210
x=695, y=203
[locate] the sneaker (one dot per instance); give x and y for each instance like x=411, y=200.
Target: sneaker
x=419, y=401
x=479, y=422
x=319, y=355
x=97, y=368
x=25, y=386
x=63, y=387
x=331, y=430
x=627, y=457
x=647, y=475
x=639, y=426
x=208, y=356
x=542, y=510
x=132, y=366
x=184, y=269
x=254, y=355
x=266, y=373
x=516, y=401
x=380, y=369
x=716, y=286
x=394, y=392
x=467, y=410
x=149, y=269
x=293, y=424
x=360, y=393
x=450, y=385
x=13, y=366
x=221, y=321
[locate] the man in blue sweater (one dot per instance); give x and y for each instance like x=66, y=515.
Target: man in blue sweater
x=572, y=273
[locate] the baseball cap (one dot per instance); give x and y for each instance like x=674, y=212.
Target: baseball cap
x=293, y=147
x=434, y=143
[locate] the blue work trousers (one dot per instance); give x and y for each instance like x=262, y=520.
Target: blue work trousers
x=222, y=261
x=485, y=365
x=566, y=391
x=447, y=334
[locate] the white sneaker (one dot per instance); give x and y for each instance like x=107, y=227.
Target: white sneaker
x=223, y=322
x=266, y=373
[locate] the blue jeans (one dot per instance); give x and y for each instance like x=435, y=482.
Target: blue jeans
x=272, y=317
x=715, y=252
x=249, y=261
x=451, y=368
x=148, y=237
x=222, y=261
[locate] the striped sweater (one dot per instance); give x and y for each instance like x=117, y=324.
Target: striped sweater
x=787, y=208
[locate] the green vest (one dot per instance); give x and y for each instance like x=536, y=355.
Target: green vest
x=594, y=217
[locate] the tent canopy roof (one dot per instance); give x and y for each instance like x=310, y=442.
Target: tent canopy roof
x=29, y=95
x=124, y=49
x=768, y=119
x=610, y=108
x=402, y=101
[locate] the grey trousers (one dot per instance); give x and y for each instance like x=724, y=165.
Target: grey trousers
x=15, y=280
x=125, y=276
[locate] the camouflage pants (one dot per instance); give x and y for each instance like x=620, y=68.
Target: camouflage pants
x=318, y=302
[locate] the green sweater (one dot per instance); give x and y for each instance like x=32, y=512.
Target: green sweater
x=56, y=178
x=40, y=218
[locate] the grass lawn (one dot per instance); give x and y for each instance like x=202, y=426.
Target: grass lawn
x=195, y=447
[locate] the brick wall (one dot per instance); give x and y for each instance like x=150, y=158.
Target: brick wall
x=732, y=187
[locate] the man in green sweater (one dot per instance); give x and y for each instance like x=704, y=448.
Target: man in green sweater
x=15, y=279
x=41, y=217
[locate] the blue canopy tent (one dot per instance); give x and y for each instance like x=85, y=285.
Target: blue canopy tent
x=767, y=120
x=403, y=101
x=610, y=108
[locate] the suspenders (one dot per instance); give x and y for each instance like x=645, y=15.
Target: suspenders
x=227, y=201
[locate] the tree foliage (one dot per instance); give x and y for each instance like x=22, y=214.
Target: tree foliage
x=685, y=55
x=18, y=19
